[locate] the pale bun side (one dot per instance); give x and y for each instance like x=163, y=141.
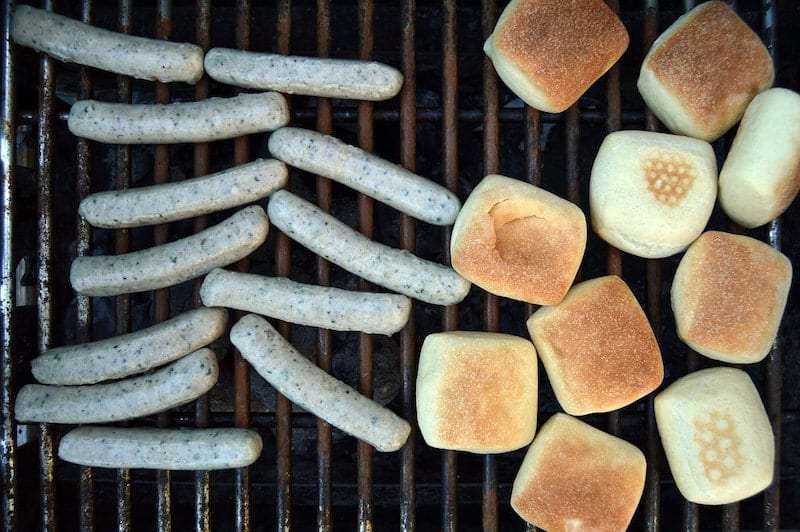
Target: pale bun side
x=761, y=175
x=477, y=391
x=519, y=241
x=716, y=436
x=576, y=477
x=728, y=296
x=652, y=194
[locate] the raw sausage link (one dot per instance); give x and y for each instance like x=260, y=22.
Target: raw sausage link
x=151, y=448
x=392, y=268
x=167, y=202
x=128, y=354
x=73, y=41
x=172, y=263
x=203, y=121
x=386, y=182
x=317, y=306
x=308, y=386
x=180, y=382
x=311, y=76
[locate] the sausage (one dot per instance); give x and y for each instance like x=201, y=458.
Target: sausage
x=311, y=76
x=306, y=385
x=155, y=448
x=174, y=262
x=391, y=268
x=73, y=41
x=128, y=354
x=386, y=182
x=203, y=121
x=163, y=203
x=180, y=382
x=317, y=306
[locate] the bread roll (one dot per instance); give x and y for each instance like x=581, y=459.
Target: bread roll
x=702, y=72
x=728, y=296
x=651, y=194
x=597, y=347
x=519, y=241
x=477, y=391
x=549, y=52
x=716, y=436
x=761, y=176
x=576, y=477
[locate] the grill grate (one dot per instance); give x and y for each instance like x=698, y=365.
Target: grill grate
x=453, y=121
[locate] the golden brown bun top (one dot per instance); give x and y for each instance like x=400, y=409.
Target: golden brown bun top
x=581, y=478
x=566, y=43
x=713, y=61
x=601, y=335
x=732, y=293
x=486, y=390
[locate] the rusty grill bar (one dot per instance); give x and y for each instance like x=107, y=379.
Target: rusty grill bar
x=345, y=483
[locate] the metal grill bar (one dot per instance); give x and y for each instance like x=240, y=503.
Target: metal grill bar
x=283, y=260
x=491, y=314
x=324, y=336
x=8, y=146
x=450, y=171
x=366, y=14
x=408, y=362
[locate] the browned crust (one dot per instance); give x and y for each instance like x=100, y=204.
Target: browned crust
x=714, y=63
x=731, y=292
x=580, y=482
x=526, y=248
x=604, y=347
x=562, y=45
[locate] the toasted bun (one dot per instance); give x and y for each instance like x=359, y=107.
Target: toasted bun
x=549, y=52
x=651, y=194
x=728, y=296
x=702, y=72
x=519, y=241
x=575, y=477
x=477, y=391
x=597, y=347
x=761, y=176
x=716, y=436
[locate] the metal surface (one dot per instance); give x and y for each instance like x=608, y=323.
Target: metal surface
x=453, y=121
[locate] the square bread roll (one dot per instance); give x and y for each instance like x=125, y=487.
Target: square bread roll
x=761, y=175
x=597, y=347
x=576, y=477
x=702, y=72
x=651, y=194
x=519, y=241
x=716, y=436
x=477, y=391
x=728, y=296
x=549, y=52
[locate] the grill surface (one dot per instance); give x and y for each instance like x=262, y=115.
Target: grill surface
x=455, y=122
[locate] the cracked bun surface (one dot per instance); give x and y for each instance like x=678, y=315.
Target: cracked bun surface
x=518, y=241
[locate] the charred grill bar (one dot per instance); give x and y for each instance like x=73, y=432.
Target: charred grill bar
x=453, y=121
